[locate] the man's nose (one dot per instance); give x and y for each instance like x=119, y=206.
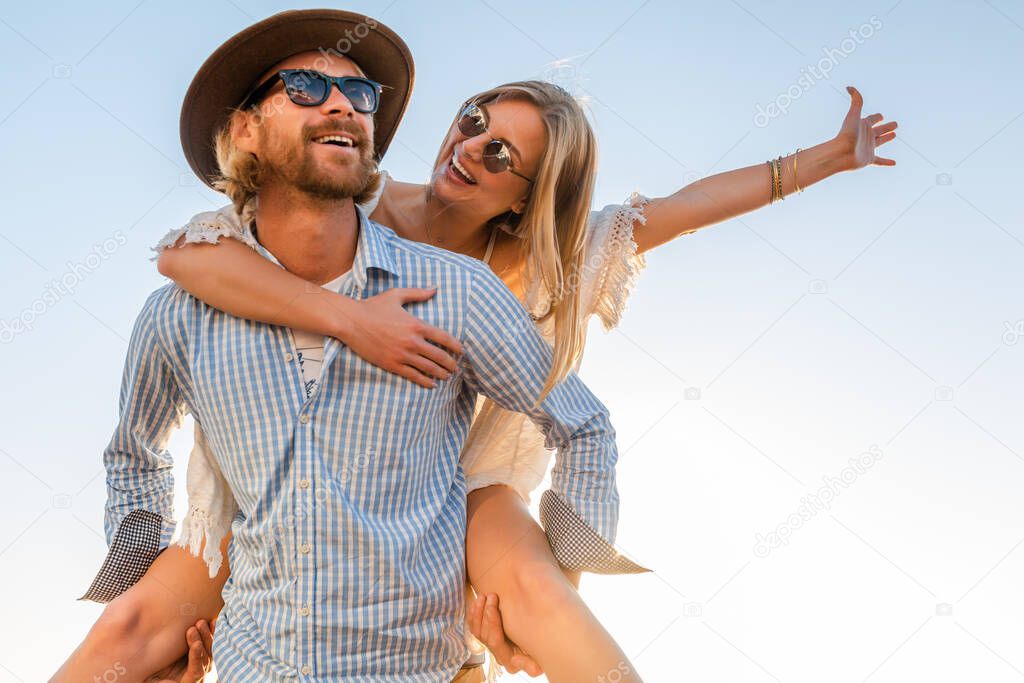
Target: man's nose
x=337, y=103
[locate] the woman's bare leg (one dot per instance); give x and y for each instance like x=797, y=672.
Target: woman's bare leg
x=143, y=629
x=507, y=553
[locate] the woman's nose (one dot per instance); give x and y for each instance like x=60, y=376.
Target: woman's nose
x=474, y=147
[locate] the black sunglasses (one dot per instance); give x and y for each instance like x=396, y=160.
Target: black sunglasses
x=497, y=157
x=309, y=88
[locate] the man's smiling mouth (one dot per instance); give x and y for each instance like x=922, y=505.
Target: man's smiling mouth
x=339, y=140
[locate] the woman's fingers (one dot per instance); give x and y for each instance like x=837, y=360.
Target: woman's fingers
x=439, y=336
x=885, y=127
x=426, y=366
x=856, y=101
x=407, y=294
x=873, y=119
x=414, y=375
x=441, y=358
x=884, y=138
x=430, y=333
x=882, y=161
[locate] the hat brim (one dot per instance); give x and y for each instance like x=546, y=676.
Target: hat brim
x=228, y=74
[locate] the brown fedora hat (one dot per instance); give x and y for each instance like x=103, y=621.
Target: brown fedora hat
x=228, y=74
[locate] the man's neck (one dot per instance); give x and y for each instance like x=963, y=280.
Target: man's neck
x=314, y=239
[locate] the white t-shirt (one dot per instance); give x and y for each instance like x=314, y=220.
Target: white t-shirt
x=310, y=347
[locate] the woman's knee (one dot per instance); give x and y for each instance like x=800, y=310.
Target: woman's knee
x=538, y=590
x=121, y=626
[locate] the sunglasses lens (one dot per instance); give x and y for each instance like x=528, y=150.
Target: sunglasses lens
x=496, y=157
x=471, y=122
x=362, y=95
x=305, y=88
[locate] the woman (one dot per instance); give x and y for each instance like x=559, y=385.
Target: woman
x=512, y=185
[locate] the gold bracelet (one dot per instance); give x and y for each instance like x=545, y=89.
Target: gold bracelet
x=796, y=180
x=771, y=179
x=778, y=177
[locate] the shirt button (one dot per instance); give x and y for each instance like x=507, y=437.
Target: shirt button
x=304, y=419
x=306, y=669
x=305, y=548
x=304, y=484
x=288, y=358
x=304, y=611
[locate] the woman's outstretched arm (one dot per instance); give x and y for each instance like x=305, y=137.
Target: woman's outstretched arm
x=233, y=278
x=733, y=193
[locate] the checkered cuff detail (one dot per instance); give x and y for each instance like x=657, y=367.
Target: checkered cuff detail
x=136, y=544
x=576, y=545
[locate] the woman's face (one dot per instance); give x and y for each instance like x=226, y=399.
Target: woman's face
x=460, y=177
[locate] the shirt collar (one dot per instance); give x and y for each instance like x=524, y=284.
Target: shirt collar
x=373, y=250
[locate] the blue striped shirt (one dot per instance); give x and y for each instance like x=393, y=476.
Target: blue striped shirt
x=347, y=557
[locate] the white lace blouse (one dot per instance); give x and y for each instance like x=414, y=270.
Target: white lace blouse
x=502, y=447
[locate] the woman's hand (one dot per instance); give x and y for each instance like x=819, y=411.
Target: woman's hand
x=484, y=620
x=858, y=138
x=383, y=333
x=193, y=667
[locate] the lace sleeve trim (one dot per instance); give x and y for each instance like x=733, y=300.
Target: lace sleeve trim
x=198, y=525
x=208, y=227
x=621, y=264
x=212, y=506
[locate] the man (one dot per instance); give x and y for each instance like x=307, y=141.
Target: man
x=354, y=577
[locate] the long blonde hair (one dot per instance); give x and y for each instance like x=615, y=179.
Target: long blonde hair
x=553, y=224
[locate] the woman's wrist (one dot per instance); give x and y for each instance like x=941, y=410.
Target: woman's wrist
x=338, y=315
x=837, y=156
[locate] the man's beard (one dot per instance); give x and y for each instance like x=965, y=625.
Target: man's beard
x=298, y=168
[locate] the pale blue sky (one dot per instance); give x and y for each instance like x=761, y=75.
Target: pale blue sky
x=879, y=308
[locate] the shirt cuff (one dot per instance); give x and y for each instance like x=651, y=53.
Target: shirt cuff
x=139, y=539
x=575, y=543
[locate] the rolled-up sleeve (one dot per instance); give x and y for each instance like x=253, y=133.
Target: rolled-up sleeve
x=508, y=360
x=139, y=516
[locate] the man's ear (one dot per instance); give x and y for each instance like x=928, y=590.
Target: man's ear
x=243, y=130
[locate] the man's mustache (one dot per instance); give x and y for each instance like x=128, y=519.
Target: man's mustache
x=351, y=129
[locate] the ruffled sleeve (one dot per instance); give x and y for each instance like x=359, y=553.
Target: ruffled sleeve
x=211, y=505
x=612, y=263
x=209, y=226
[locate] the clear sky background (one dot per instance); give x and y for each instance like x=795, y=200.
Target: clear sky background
x=879, y=312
